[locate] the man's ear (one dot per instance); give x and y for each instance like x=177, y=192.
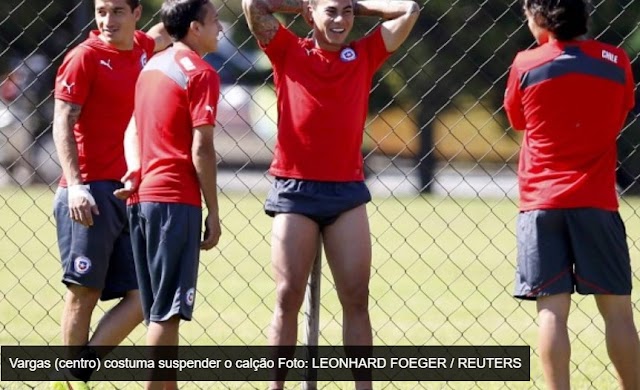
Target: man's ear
x=194, y=26
x=307, y=13
x=137, y=12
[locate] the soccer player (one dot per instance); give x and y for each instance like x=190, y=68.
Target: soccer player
x=93, y=104
x=571, y=96
x=171, y=159
x=322, y=84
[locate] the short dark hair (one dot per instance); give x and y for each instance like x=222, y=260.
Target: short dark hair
x=133, y=4
x=177, y=15
x=565, y=19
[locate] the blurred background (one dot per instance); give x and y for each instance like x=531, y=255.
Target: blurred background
x=435, y=105
x=440, y=158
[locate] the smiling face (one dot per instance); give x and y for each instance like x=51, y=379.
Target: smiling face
x=332, y=22
x=116, y=22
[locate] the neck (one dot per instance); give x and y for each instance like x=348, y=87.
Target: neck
x=127, y=45
x=185, y=44
x=325, y=45
x=583, y=37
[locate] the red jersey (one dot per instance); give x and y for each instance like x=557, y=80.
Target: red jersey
x=322, y=105
x=176, y=92
x=102, y=79
x=572, y=99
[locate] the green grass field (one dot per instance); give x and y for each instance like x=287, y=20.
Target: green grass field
x=442, y=275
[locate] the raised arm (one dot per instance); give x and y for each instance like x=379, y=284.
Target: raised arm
x=401, y=16
x=160, y=36
x=259, y=15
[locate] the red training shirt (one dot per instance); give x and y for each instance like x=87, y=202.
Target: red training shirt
x=102, y=80
x=572, y=99
x=176, y=92
x=322, y=105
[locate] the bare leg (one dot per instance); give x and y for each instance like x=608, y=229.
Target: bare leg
x=293, y=247
x=117, y=323
x=553, y=340
x=348, y=247
x=79, y=303
x=622, y=338
x=164, y=333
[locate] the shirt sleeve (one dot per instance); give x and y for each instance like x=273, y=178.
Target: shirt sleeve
x=204, y=92
x=75, y=76
x=373, y=46
x=513, y=100
x=277, y=48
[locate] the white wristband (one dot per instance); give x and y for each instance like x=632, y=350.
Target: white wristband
x=78, y=191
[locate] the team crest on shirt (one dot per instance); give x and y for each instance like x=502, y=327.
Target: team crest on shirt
x=82, y=265
x=347, y=54
x=143, y=59
x=190, y=296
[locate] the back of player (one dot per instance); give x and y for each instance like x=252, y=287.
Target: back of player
x=571, y=96
x=175, y=111
x=575, y=96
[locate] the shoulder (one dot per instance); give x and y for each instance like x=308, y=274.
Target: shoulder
x=143, y=40
x=191, y=63
x=82, y=50
x=532, y=58
x=80, y=57
x=283, y=38
x=604, y=51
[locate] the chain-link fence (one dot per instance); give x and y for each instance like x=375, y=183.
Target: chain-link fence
x=440, y=161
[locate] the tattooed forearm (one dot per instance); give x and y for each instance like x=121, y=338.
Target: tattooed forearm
x=259, y=15
x=65, y=117
x=385, y=9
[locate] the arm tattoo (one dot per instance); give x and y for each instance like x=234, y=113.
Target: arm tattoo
x=65, y=117
x=260, y=17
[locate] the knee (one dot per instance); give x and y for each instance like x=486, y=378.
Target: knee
x=549, y=318
x=355, y=299
x=134, y=303
x=80, y=297
x=289, y=298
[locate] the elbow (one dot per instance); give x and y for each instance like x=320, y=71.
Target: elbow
x=249, y=6
x=203, y=152
x=413, y=9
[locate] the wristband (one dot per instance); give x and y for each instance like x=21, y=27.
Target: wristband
x=77, y=191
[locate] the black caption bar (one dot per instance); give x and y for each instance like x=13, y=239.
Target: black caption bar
x=258, y=363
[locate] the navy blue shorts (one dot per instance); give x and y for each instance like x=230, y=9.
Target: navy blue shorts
x=166, y=245
x=99, y=256
x=568, y=250
x=320, y=201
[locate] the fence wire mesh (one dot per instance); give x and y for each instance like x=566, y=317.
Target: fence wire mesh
x=440, y=161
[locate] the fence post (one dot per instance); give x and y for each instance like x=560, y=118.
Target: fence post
x=312, y=313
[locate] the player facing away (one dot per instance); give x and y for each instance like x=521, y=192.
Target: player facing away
x=571, y=96
x=171, y=160
x=93, y=104
x=322, y=86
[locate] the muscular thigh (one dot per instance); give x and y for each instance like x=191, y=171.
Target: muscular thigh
x=294, y=243
x=347, y=243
